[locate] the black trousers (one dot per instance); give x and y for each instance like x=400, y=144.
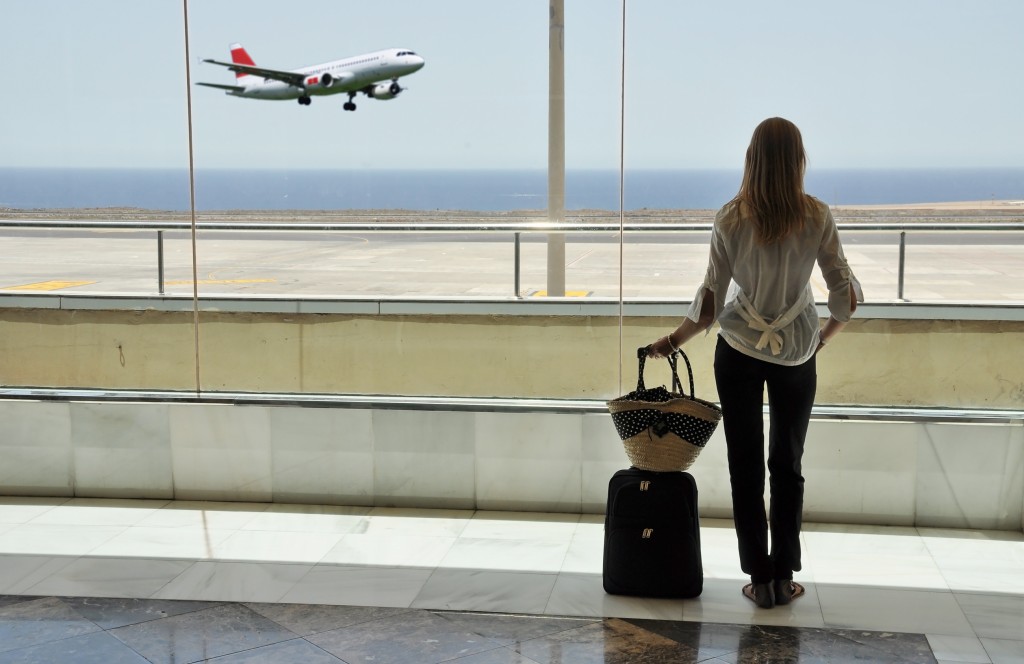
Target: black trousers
x=741, y=381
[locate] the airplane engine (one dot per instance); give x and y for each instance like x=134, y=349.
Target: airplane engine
x=324, y=80
x=385, y=91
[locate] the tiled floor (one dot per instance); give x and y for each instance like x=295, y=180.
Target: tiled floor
x=280, y=583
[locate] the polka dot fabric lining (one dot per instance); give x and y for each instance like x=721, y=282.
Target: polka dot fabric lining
x=662, y=430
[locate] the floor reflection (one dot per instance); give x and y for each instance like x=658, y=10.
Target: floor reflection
x=765, y=644
x=137, y=631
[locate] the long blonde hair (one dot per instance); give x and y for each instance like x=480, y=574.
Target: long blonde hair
x=773, y=180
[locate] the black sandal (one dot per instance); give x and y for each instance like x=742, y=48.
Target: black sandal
x=787, y=590
x=762, y=594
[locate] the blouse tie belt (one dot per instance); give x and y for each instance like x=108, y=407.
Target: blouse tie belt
x=769, y=331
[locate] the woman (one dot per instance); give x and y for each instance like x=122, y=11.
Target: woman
x=763, y=249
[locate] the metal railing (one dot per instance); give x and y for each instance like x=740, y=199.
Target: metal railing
x=484, y=224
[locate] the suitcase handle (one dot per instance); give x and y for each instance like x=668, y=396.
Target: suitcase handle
x=673, y=362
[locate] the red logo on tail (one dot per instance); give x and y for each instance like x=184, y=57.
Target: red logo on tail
x=240, y=57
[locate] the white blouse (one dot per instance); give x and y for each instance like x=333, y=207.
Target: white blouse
x=763, y=298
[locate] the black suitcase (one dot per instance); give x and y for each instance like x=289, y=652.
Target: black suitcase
x=652, y=535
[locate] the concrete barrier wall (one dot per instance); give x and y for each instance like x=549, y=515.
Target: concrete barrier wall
x=932, y=363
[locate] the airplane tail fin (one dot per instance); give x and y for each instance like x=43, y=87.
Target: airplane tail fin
x=240, y=57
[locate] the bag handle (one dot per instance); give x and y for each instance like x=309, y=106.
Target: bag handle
x=673, y=361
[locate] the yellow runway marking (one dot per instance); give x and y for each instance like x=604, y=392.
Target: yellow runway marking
x=49, y=285
x=568, y=293
x=189, y=282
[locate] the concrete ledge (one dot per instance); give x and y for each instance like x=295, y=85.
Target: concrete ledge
x=868, y=466
x=491, y=306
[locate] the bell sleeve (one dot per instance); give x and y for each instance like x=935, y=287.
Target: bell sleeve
x=717, y=278
x=839, y=278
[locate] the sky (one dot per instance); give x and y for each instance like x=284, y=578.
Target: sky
x=871, y=83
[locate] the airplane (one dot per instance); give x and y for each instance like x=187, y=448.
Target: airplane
x=368, y=73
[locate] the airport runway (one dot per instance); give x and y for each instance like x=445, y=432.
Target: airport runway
x=961, y=266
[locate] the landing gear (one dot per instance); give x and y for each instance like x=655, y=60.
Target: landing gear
x=304, y=100
x=350, y=105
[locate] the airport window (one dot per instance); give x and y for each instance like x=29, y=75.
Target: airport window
x=88, y=153
x=466, y=140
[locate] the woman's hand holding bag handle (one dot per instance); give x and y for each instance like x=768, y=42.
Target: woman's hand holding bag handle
x=661, y=430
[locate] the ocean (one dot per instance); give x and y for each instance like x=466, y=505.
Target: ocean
x=480, y=190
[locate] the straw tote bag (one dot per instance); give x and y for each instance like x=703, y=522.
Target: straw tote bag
x=663, y=431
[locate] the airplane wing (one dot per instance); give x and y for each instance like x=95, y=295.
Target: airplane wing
x=232, y=88
x=289, y=77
